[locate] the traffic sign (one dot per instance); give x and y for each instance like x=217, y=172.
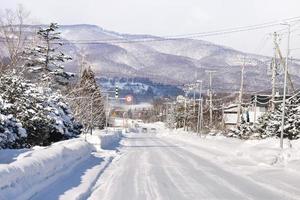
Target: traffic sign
x=128, y=98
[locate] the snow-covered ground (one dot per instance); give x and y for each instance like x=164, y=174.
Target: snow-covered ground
x=177, y=165
x=159, y=164
x=64, y=170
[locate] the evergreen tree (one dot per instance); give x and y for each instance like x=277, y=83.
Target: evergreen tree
x=179, y=115
x=86, y=98
x=12, y=134
x=270, y=123
x=40, y=111
x=45, y=58
x=171, y=117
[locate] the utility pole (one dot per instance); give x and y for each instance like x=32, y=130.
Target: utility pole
x=284, y=85
x=106, y=112
x=210, y=97
x=199, y=121
x=283, y=62
x=241, y=95
x=255, y=107
x=194, y=89
x=274, y=69
x=185, y=109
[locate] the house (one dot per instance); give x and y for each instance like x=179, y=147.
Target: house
x=230, y=114
x=249, y=112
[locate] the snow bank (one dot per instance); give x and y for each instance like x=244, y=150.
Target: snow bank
x=11, y=155
x=105, y=140
x=110, y=140
x=23, y=178
x=265, y=152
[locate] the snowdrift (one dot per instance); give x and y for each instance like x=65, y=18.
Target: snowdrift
x=103, y=140
x=264, y=152
x=110, y=140
x=23, y=178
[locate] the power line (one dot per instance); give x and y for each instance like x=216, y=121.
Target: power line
x=182, y=36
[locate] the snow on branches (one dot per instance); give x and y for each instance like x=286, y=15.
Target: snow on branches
x=87, y=102
x=270, y=124
x=32, y=115
x=45, y=57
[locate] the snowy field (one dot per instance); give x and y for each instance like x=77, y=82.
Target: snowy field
x=158, y=164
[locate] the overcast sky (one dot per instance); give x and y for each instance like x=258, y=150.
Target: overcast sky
x=172, y=17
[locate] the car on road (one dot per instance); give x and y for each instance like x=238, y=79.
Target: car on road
x=144, y=130
x=153, y=130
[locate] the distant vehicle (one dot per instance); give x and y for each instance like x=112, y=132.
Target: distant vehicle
x=139, y=121
x=153, y=130
x=136, y=125
x=144, y=130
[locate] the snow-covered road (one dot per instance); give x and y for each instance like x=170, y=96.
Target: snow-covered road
x=167, y=165
x=151, y=167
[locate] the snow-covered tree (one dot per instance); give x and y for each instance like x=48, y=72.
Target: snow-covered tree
x=244, y=131
x=180, y=115
x=86, y=98
x=12, y=134
x=170, y=118
x=45, y=58
x=40, y=111
x=270, y=123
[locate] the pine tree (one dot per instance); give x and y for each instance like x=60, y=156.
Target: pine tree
x=86, y=98
x=171, y=118
x=45, y=58
x=179, y=115
x=270, y=123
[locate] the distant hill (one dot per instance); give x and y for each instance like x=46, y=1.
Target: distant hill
x=173, y=62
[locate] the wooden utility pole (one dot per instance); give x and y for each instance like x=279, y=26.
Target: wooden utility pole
x=284, y=63
x=241, y=95
x=194, y=89
x=274, y=70
x=199, y=118
x=185, y=108
x=210, y=97
x=255, y=107
x=284, y=85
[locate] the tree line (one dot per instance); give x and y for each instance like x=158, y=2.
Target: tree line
x=41, y=103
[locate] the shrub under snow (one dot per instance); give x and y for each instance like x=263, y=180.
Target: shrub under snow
x=12, y=135
x=40, y=111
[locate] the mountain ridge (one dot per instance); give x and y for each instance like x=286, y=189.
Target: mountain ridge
x=171, y=61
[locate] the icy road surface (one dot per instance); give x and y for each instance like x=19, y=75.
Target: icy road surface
x=151, y=167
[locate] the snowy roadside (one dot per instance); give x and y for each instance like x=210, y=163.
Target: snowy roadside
x=72, y=164
x=261, y=161
x=264, y=152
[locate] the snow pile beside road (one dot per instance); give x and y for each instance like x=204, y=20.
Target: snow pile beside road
x=110, y=140
x=23, y=178
x=267, y=152
x=234, y=151
x=105, y=140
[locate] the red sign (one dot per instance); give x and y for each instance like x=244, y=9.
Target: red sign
x=128, y=98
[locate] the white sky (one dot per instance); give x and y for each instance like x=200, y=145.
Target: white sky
x=172, y=17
